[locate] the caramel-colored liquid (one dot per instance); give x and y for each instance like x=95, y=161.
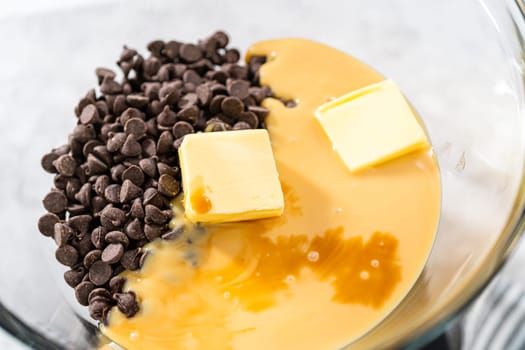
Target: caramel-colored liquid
x=345, y=252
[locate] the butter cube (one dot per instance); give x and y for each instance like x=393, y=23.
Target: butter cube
x=371, y=125
x=229, y=176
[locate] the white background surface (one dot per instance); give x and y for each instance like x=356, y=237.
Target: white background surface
x=513, y=270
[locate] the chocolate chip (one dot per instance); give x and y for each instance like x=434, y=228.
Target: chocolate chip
x=116, y=284
x=55, y=202
x=154, y=215
x=97, y=204
x=65, y=165
x=131, y=148
x=239, y=88
x=200, y=122
x=172, y=171
x=112, y=193
x=221, y=38
x=118, y=105
x=91, y=258
x=100, y=273
x=179, y=69
x=102, y=108
x=241, y=126
x=102, y=72
x=82, y=291
x=112, y=253
x=80, y=224
x=187, y=100
x=190, y=53
x=236, y=71
x=117, y=171
x=117, y=237
x=215, y=104
x=287, y=103
x=60, y=182
x=152, y=66
x=260, y=112
x=100, y=294
x=232, y=106
x=74, y=276
x=129, y=191
x=127, y=303
x=72, y=188
x=62, y=233
x=169, y=95
x=164, y=142
x=204, y=94
x=152, y=196
x=90, y=115
x=151, y=90
x=188, y=87
x=64, y=149
x=101, y=184
x=138, y=61
x=190, y=76
x=168, y=186
x=112, y=218
x=95, y=166
x=130, y=259
x=102, y=153
x=84, y=195
x=99, y=310
x=76, y=209
x=131, y=113
x=218, y=89
x=116, y=142
x=46, y=224
x=137, y=100
x=178, y=142
x=250, y=118
x=127, y=54
x=202, y=66
x=137, y=211
x=98, y=237
x=149, y=147
x=81, y=173
x=182, y=128
x=136, y=126
x=188, y=114
x=148, y=165
x=47, y=162
x=232, y=55
x=90, y=146
x=67, y=255
x=134, y=230
x=134, y=174
x=167, y=117
x=152, y=232
x=110, y=86
x=171, y=49
x=165, y=72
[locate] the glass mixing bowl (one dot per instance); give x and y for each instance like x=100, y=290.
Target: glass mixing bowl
x=459, y=62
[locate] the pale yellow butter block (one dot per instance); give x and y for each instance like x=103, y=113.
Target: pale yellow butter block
x=229, y=176
x=371, y=125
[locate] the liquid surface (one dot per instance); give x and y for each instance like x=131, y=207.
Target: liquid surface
x=345, y=252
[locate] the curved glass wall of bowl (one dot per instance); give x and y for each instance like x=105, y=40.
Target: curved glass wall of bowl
x=447, y=56
x=482, y=207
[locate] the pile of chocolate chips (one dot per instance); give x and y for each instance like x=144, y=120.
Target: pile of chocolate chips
x=119, y=171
